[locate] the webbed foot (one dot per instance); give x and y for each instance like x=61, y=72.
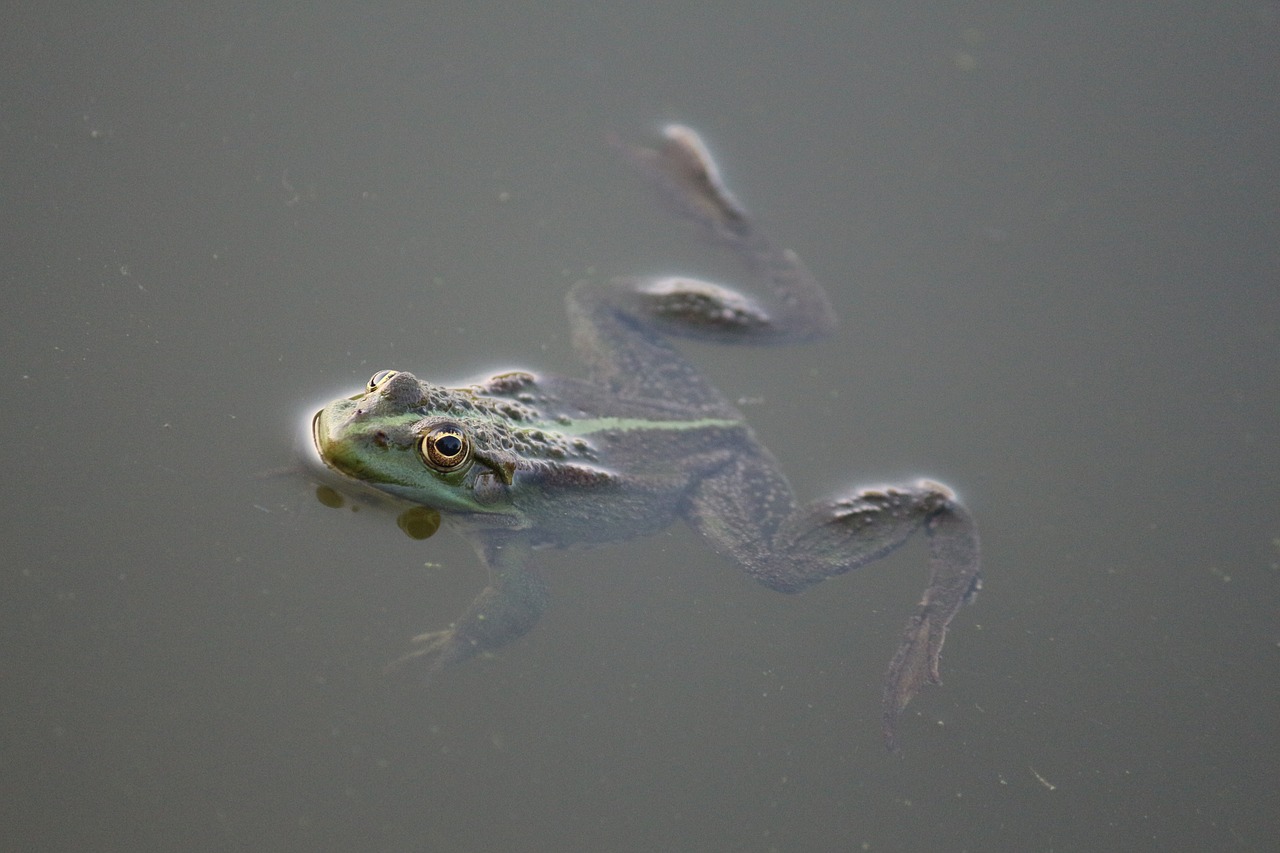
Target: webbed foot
x=914, y=665
x=955, y=581
x=437, y=649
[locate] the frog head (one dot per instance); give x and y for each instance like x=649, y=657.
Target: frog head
x=435, y=446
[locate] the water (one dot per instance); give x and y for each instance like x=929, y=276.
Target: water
x=1050, y=235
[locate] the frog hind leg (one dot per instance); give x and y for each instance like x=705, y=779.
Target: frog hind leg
x=620, y=327
x=505, y=610
x=682, y=170
x=746, y=513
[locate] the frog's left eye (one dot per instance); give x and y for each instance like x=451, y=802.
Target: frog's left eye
x=446, y=448
x=379, y=379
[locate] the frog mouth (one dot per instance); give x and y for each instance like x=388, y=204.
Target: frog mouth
x=315, y=448
x=318, y=432
x=323, y=444
x=336, y=452
x=315, y=431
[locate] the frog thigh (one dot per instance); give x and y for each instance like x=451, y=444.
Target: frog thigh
x=617, y=336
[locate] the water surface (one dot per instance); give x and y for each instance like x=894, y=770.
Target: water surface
x=1051, y=236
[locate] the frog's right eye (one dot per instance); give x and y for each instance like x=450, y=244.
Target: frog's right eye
x=379, y=379
x=446, y=449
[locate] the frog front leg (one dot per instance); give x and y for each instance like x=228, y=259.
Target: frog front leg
x=746, y=512
x=505, y=610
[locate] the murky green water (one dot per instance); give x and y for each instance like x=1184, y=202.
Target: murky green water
x=1051, y=237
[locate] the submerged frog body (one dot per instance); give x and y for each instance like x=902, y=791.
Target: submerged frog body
x=521, y=461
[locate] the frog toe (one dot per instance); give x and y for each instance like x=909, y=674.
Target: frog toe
x=434, y=649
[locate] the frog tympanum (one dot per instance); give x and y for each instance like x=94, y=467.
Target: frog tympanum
x=520, y=461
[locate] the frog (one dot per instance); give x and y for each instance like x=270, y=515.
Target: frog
x=520, y=461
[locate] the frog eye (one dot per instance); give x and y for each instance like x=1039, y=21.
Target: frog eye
x=445, y=448
x=379, y=379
